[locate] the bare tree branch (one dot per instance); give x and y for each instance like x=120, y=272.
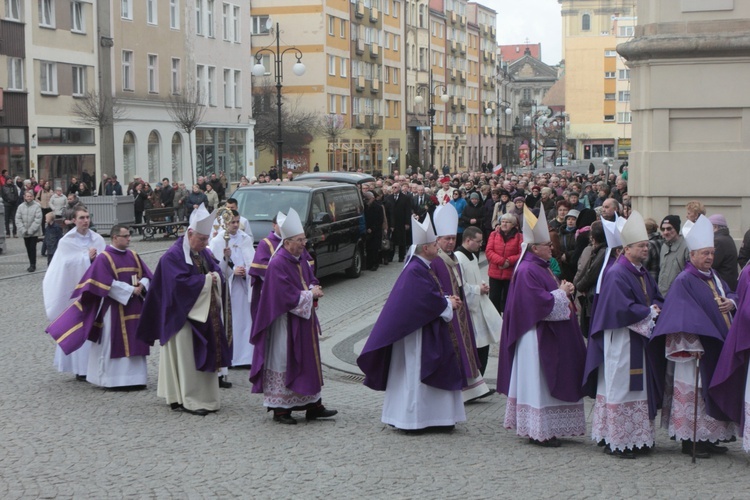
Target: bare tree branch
x=332, y=126
x=187, y=110
x=298, y=126
x=98, y=110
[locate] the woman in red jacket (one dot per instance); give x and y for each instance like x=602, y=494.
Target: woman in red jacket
x=503, y=251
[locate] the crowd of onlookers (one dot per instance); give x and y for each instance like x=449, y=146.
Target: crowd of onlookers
x=573, y=203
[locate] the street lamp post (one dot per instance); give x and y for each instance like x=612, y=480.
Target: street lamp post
x=278, y=60
x=419, y=99
x=488, y=112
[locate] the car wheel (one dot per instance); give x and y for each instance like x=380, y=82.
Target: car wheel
x=356, y=269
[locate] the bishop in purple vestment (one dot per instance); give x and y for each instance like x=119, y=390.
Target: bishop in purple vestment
x=286, y=360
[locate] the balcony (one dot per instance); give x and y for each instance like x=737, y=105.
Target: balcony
x=374, y=50
x=375, y=86
x=493, y=56
x=463, y=76
x=359, y=12
x=454, y=17
x=454, y=72
x=485, y=55
x=373, y=15
x=493, y=31
x=360, y=46
x=463, y=104
x=361, y=120
x=454, y=129
x=486, y=80
x=462, y=46
x=485, y=29
x=486, y=130
x=492, y=82
x=360, y=83
x=463, y=20
x=462, y=129
x=455, y=101
x=454, y=45
x=375, y=120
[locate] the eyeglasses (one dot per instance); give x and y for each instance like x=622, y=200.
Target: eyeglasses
x=298, y=240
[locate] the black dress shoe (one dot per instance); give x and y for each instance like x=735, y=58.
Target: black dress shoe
x=319, y=412
x=284, y=418
x=31, y=269
x=714, y=448
x=547, y=443
x=700, y=450
x=224, y=383
x=627, y=453
x=200, y=412
x=643, y=450
x=81, y=378
x=175, y=406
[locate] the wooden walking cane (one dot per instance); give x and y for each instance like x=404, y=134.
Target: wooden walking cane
x=695, y=407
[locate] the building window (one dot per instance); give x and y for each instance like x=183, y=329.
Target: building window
x=176, y=156
x=331, y=25
x=212, y=85
x=261, y=28
x=395, y=8
x=15, y=73
x=200, y=83
x=623, y=96
x=343, y=104
x=153, y=73
x=226, y=25
x=332, y=65
x=624, y=117
x=344, y=63
x=586, y=22
x=48, y=78
x=126, y=9
x=55, y=135
x=210, y=28
x=265, y=60
x=609, y=97
x=237, y=88
x=46, y=14
x=13, y=10
x=623, y=74
x=127, y=70
x=396, y=40
x=176, y=76
x=128, y=156
x=609, y=118
x=610, y=53
x=228, y=93
x=332, y=103
x=153, y=156
x=625, y=31
x=174, y=14
x=394, y=80
x=236, y=24
x=199, y=17
x=79, y=81
x=342, y=29
x=151, y=12
x=609, y=74
x=76, y=17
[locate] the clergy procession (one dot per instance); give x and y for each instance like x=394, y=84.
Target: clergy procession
x=216, y=300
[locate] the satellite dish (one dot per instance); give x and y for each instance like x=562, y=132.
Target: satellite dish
x=269, y=23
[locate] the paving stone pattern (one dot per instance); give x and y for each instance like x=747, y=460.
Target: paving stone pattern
x=67, y=439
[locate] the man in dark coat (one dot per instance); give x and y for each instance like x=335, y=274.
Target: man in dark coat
x=374, y=236
x=401, y=219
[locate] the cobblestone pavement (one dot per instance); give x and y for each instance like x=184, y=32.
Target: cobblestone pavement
x=62, y=438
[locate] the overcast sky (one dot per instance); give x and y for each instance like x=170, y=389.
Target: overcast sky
x=537, y=20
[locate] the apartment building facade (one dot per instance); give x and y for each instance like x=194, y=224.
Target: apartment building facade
x=597, y=81
x=129, y=59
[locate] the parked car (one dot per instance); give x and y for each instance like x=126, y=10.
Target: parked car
x=562, y=161
x=331, y=213
x=346, y=177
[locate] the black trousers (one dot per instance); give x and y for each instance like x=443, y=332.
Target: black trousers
x=484, y=355
x=499, y=293
x=10, y=218
x=31, y=249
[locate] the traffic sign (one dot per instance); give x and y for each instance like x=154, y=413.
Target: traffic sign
x=423, y=128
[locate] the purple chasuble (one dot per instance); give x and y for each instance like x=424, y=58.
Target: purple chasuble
x=461, y=322
x=173, y=292
x=83, y=320
x=622, y=302
x=727, y=389
x=286, y=277
x=690, y=307
x=415, y=303
x=264, y=252
x=561, y=348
